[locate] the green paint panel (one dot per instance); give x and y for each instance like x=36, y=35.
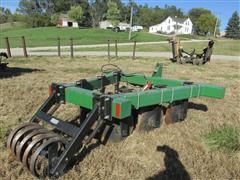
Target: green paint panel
x=158, y=71
x=79, y=96
x=96, y=83
x=125, y=107
x=167, y=95
x=212, y=91
x=142, y=80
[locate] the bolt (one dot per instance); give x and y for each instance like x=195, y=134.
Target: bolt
x=66, y=159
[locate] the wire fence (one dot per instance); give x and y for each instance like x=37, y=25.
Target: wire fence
x=23, y=43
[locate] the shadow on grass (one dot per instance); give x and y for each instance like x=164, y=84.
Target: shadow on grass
x=8, y=72
x=199, y=107
x=174, y=169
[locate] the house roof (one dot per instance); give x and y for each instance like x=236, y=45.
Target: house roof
x=179, y=20
x=176, y=19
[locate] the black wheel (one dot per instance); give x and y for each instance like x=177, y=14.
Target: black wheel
x=176, y=111
x=150, y=118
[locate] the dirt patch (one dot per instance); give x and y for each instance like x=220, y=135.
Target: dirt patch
x=139, y=156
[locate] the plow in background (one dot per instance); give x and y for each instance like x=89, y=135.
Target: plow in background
x=49, y=146
x=181, y=56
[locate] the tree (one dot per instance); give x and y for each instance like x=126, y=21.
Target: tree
x=195, y=14
x=55, y=19
x=113, y=13
x=76, y=13
x=233, y=27
x=5, y=15
x=172, y=11
x=206, y=23
x=87, y=18
x=60, y=6
x=146, y=15
x=37, y=12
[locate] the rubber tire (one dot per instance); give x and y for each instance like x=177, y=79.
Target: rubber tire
x=150, y=119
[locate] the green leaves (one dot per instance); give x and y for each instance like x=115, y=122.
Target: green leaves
x=206, y=23
x=113, y=13
x=203, y=20
x=76, y=13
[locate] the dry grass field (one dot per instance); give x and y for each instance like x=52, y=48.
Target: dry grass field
x=165, y=153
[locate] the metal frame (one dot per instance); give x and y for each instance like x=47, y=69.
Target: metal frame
x=104, y=108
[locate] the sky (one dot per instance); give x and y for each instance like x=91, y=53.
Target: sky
x=223, y=9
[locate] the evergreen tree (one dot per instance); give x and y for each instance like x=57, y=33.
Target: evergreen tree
x=233, y=27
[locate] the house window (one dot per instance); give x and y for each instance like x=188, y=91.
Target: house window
x=168, y=28
x=169, y=21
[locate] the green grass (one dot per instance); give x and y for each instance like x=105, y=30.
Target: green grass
x=47, y=36
x=11, y=26
x=221, y=47
x=225, y=138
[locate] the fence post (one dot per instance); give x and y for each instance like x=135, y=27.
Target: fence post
x=8, y=47
x=116, y=49
x=59, y=46
x=109, y=50
x=71, y=47
x=134, y=50
x=24, y=47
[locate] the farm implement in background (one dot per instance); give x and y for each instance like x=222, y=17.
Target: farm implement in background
x=182, y=57
x=112, y=106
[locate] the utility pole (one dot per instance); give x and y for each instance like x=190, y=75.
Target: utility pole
x=130, y=29
x=215, y=29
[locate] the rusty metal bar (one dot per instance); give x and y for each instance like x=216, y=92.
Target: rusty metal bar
x=109, y=50
x=8, y=47
x=116, y=49
x=59, y=46
x=134, y=50
x=24, y=47
x=71, y=47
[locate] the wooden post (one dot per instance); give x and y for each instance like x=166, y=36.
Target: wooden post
x=116, y=49
x=8, y=47
x=59, y=46
x=24, y=47
x=134, y=50
x=71, y=47
x=109, y=50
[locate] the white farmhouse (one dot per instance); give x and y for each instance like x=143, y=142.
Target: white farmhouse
x=173, y=25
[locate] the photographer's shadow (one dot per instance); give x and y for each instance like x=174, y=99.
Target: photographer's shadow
x=174, y=169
